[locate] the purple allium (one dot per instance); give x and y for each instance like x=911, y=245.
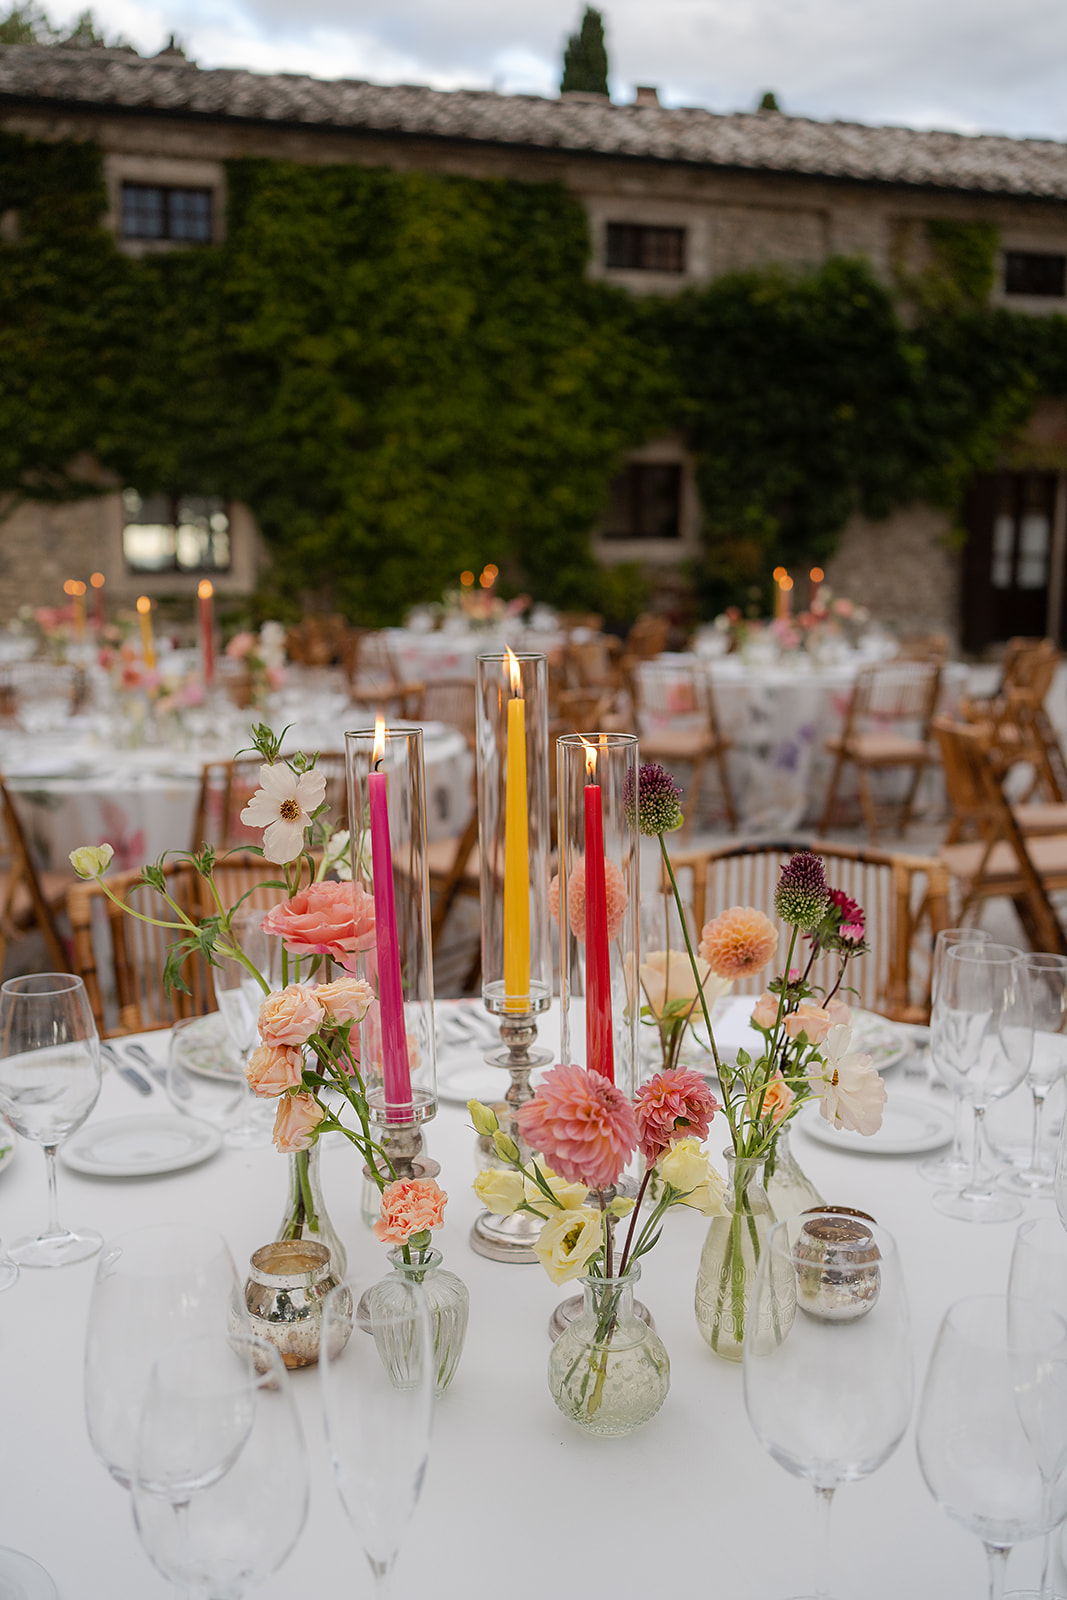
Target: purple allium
x=658, y=810
x=802, y=897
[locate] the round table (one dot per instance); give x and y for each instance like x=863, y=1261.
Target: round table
x=428, y=657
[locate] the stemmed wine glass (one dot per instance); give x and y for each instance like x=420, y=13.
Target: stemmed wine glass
x=378, y=1395
x=827, y=1355
x=240, y=997
x=1038, y=1274
x=953, y=1167
x=991, y=1407
x=1047, y=975
x=49, y=1083
x=982, y=1032
x=220, y=1481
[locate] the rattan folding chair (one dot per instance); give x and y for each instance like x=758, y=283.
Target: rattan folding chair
x=674, y=706
x=885, y=696
x=28, y=899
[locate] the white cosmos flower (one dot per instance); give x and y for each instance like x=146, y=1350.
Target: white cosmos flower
x=283, y=805
x=851, y=1091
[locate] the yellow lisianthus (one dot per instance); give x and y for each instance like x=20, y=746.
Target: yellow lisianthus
x=500, y=1189
x=686, y=1168
x=567, y=1241
x=569, y=1195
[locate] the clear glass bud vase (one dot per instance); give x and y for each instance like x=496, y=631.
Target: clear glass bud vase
x=789, y=1189
x=731, y=1255
x=608, y=1371
x=448, y=1303
x=306, y=1216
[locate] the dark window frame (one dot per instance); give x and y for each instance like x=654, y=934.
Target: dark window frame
x=633, y=490
x=174, y=519
x=1038, y=274
x=644, y=247
x=178, y=222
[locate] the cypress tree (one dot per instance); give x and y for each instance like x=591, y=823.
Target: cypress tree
x=585, y=60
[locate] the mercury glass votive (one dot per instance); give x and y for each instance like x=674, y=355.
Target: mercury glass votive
x=837, y=1263
x=287, y=1284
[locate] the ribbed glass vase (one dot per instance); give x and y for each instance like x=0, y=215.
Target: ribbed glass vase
x=731, y=1255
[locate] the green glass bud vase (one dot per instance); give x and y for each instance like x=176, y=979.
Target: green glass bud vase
x=609, y=1371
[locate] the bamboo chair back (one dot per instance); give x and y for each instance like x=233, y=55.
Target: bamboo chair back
x=19, y=882
x=448, y=700
x=676, y=692
x=227, y=786
x=895, y=691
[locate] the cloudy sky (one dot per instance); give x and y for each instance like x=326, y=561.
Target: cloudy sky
x=972, y=65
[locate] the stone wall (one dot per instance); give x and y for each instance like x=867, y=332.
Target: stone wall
x=905, y=570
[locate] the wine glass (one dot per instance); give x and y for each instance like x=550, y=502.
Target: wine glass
x=153, y=1286
x=827, y=1354
x=220, y=1481
x=989, y=1406
x=1047, y=975
x=49, y=1083
x=953, y=1167
x=378, y=1395
x=204, y=1076
x=1038, y=1274
x=982, y=1032
x=239, y=998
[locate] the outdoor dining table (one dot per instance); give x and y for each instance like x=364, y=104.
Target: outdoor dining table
x=517, y=1500
x=429, y=657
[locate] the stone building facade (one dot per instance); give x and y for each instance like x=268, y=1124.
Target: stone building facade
x=674, y=198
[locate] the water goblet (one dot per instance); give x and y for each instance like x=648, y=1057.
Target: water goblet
x=240, y=996
x=378, y=1396
x=204, y=1076
x=827, y=1355
x=953, y=1167
x=982, y=1034
x=990, y=1406
x=1047, y=976
x=1038, y=1274
x=49, y=1083
x=220, y=1481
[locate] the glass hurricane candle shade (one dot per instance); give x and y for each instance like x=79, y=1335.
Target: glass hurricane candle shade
x=514, y=828
x=387, y=821
x=598, y=901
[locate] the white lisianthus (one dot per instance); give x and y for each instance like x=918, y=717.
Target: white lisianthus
x=283, y=805
x=846, y=1082
x=566, y=1242
x=667, y=975
x=91, y=860
x=337, y=855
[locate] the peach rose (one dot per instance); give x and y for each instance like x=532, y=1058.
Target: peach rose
x=295, y=1123
x=410, y=1206
x=325, y=919
x=291, y=1016
x=345, y=1000
x=815, y=1021
x=765, y=1011
x=273, y=1069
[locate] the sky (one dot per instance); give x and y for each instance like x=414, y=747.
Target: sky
x=969, y=65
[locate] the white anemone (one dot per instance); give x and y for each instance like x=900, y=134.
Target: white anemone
x=851, y=1091
x=283, y=805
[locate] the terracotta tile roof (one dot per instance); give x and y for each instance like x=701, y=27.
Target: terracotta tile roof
x=765, y=142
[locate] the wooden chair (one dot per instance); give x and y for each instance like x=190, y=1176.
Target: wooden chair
x=448, y=700
x=1000, y=862
x=890, y=693
x=905, y=899
x=227, y=786
x=1015, y=721
x=674, y=707
x=594, y=663
x=374, y=680
x=28, y=899
x=121, y=960
x=319, y=641
x=922, y=647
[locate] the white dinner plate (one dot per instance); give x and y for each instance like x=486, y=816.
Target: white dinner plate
x=138, y=1147
x=207, y=1048
x=910, y=1127
x=883, y=1040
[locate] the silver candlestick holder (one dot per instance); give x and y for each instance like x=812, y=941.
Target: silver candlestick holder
x=512, y=1238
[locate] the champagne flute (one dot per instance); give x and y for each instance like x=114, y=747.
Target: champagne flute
x=982, y=1033
x=1038, y=1275
x=378, y=1396
x=239, y=997
x=153, y=1286
x=984, y=1404
x=49, y=1083
x=953, y=1167
x=1047, y=976
x=827, y=1354
x=220, y=1480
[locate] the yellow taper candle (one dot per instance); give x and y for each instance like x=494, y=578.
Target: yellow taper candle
x=148, y=643
x=516, y=854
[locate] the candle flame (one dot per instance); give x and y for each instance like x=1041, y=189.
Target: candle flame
x=379, y=739
x=97, y=580
x=144, y=605
x=778, y=574
x=590, y=758
x=516, y=674
x=785, y=583
x=70, y=587
x=205, y=588
x=816, y=574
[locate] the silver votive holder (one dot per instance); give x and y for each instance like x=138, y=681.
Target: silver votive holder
x=837, y=1262
x=284, y=1293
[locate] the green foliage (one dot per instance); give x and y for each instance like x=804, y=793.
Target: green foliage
x=585, y=60
x=30, y=24
x=964, y=263
x=768, y=101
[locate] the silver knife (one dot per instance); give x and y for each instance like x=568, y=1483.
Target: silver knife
x=135, y=1079
x=154, y=1070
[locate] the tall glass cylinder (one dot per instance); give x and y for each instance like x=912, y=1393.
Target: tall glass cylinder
x=387, y=821
x=598, y=901
x=514, y=832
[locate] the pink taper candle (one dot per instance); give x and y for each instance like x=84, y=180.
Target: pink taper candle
x=205, y=592
x=599, y=1045
x=395, y=1068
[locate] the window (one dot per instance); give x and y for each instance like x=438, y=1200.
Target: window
x=646, y=502
x=152, y=212
x=1022, y=533
x=645, y=249
x=1030, y=272
x=187, y=533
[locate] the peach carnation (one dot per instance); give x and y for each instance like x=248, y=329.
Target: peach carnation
x=291, y=1016
x=582, y=1124
x=410, y=1206
x=615, y=889
x=676, y=1104
x=345, y=1000
x=325, y=919
x=273, y=1069
x=296, y=1123
x=738, y=942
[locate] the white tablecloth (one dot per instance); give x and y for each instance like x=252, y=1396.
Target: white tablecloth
x=517, y=1500
x=426, y=657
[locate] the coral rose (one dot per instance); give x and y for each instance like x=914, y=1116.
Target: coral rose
x=273, y=1069
x=345, y=1000
x=738, y=942
x=325, y=919
x=582, y=1124
x=815, y=1022
x=410, y=1206
x=615, y=889
x=778, y=1100
x=675, y=1104
x=295, y=1123
x=291, y=1016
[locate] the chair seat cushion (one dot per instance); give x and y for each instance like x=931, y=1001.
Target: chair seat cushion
x=441, y=856
x=882, y=749
x=1047, y=817
x=680, y=746
x=1048, y=854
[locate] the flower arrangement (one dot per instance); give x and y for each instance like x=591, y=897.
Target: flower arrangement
x=263, y=657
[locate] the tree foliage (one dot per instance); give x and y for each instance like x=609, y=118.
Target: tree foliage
x=585, y=60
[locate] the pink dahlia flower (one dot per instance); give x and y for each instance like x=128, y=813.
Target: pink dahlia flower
x=615, y=889
x=325, y=919
x=738, y=942
x=676, y=1104
x=581, y=1124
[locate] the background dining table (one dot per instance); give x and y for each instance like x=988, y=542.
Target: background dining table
x=517, y=1500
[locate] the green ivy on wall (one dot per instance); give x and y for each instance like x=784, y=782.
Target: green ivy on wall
x=405, y=374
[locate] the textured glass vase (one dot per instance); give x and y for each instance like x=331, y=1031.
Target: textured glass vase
x=306, y=1216
x=447, y=1301
x=608, y=1371
x=789, y=1189
x=731, y=1255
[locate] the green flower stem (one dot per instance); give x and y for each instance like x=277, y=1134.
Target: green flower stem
x=633, y=1219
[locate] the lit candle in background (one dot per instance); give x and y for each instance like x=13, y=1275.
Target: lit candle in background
x=205, y=591
x=395, y=1069
x=599, y=1046
x=783, y=597
x=816, y=575
x=76, y=591
x=148, y=643
x=516, y=853
x=99, y=615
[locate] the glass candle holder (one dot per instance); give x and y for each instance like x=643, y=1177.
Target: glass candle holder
x=387, y=822
x=598, y=902
x=514, y=832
